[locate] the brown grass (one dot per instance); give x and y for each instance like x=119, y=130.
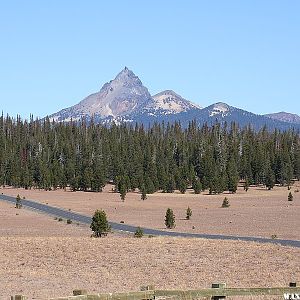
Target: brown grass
x=23, y=222
x=54, y=266
x=256, y=213
x=43, y=258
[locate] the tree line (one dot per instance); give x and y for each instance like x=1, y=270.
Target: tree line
x=86, y=156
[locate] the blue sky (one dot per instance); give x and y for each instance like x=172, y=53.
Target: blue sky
x=244, y=53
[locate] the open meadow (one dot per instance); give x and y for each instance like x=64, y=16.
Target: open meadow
x=258, y=212
x=43, y=258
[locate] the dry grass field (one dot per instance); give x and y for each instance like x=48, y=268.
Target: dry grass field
x=43, y=258
x=258, y=212
x=42, y=267
x=25, y=223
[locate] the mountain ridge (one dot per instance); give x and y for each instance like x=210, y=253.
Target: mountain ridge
x=126, y=99
x=285, y=117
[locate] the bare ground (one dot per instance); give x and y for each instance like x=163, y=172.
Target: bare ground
x=43, y=258
x=258, y=212
x=42, y=267
x=22, y=222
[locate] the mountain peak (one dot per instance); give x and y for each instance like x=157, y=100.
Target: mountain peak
x=221, y=105
x=127, y=75
x=167, y=92
x=172, y=103
x=119, y=97
x=219, y=108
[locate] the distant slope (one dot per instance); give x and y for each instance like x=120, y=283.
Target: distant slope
x=221, y=113
x=285, y=117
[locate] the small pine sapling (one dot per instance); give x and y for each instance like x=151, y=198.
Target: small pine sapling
x=139, y=232
x=18, y=202
x=170, y=219
x=189, y=213
x=225, y=203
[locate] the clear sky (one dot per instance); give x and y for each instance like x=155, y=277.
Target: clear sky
x=245, y=53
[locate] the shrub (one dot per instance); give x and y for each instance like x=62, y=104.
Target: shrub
x=139, y=232
x=290, y=196
x=60, y=219
x=69, y=221
x=188, y=213
x=18, y=202
x=225, y=203
x=274, y=236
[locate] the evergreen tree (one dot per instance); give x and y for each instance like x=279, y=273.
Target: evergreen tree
x=197, y=186
x=85, y=156
x=149, y=185
x=232, y=176
x=122, y=191
x=182, y=186
x=100, y=224
x=170, y=219
x=270, y=178
x=143, y=193
x=247, y=184
x=290, y=196
x=170, y=185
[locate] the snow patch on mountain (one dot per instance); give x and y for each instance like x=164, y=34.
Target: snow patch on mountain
x=219, y=108
x=171, y=103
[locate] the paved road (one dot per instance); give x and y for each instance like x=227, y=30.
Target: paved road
x=59, y=212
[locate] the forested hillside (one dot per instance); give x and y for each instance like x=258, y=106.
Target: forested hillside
x=164, y=157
